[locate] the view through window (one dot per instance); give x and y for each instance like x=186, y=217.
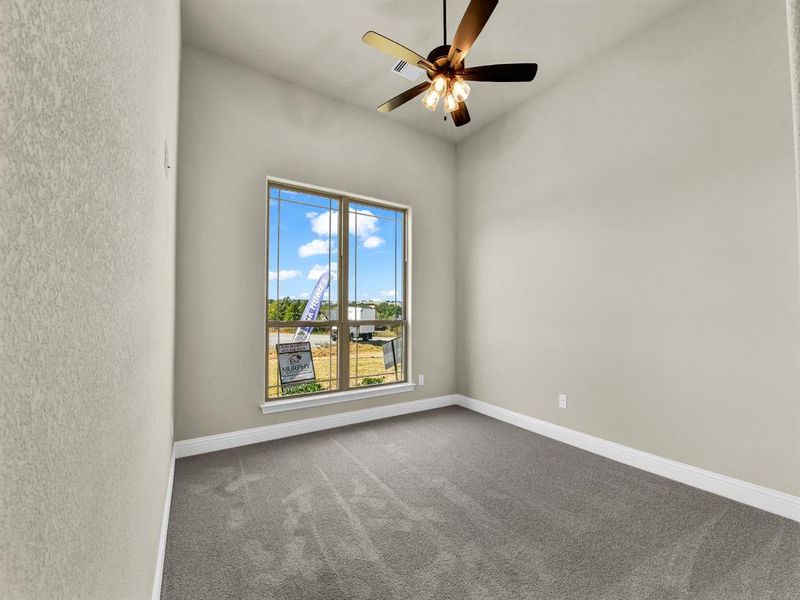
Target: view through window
x=312, y=346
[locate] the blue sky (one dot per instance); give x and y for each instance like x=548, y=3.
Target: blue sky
x=308, y=232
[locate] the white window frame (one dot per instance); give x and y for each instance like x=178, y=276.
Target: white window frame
x=333, y=397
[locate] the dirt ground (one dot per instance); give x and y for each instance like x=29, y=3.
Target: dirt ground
x=366, y=360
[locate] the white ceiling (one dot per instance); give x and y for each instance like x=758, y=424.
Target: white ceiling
x=317, y=44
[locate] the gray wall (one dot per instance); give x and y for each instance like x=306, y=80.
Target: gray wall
x=636, y=226
x=236, y=127
x=793, y=17
x=88, y=94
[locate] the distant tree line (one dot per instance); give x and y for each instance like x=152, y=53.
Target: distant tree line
x=384, y=310
x=291, y=309
x=286, y=309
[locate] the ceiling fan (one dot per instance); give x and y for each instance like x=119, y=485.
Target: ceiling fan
x=445, y=65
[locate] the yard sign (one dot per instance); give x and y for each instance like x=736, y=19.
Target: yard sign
x=295, y=364
x=393, y=354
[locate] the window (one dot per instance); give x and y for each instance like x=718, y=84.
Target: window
x=314, y=347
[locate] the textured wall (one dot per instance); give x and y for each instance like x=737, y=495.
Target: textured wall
x=237, y=126
x=636, y=227
x=793, y=16
x=89, y=94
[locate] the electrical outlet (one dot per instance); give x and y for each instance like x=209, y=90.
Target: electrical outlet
x=562, y=401
x=422, y=379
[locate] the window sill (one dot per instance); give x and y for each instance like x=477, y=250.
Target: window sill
x=275, y=406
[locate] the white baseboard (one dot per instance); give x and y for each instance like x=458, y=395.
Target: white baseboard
x=162, y=540
x=221, y=441
x=764, y=498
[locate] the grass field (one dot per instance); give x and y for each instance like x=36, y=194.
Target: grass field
x=366, y=360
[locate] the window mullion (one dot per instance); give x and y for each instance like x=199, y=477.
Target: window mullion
x=344, y=281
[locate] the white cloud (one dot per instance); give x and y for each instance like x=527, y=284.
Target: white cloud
x=373, y=241
x=324, y=224
x=304, y=294
x=284, y=274
x=317, y=271
x=313, y=248
x=387, y=293
x=363, y=224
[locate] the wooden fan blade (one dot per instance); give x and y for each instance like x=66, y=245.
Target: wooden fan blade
x=472, y=23
x=509, y=72
x=392, y=48
x=460, y=115
x=401, y=99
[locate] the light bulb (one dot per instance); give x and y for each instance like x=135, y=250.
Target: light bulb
x=430, y=99
x=460, y=89
x=450, y=102
x=439, y=85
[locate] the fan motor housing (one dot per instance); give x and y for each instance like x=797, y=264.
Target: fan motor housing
x=438, y=56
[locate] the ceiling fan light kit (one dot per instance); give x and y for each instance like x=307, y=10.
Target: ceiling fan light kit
x=450, y=102
x=454, y=90
x=460, y=89
x=431, y=99
x=445, y=65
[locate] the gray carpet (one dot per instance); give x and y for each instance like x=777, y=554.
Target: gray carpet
x=450, y=504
